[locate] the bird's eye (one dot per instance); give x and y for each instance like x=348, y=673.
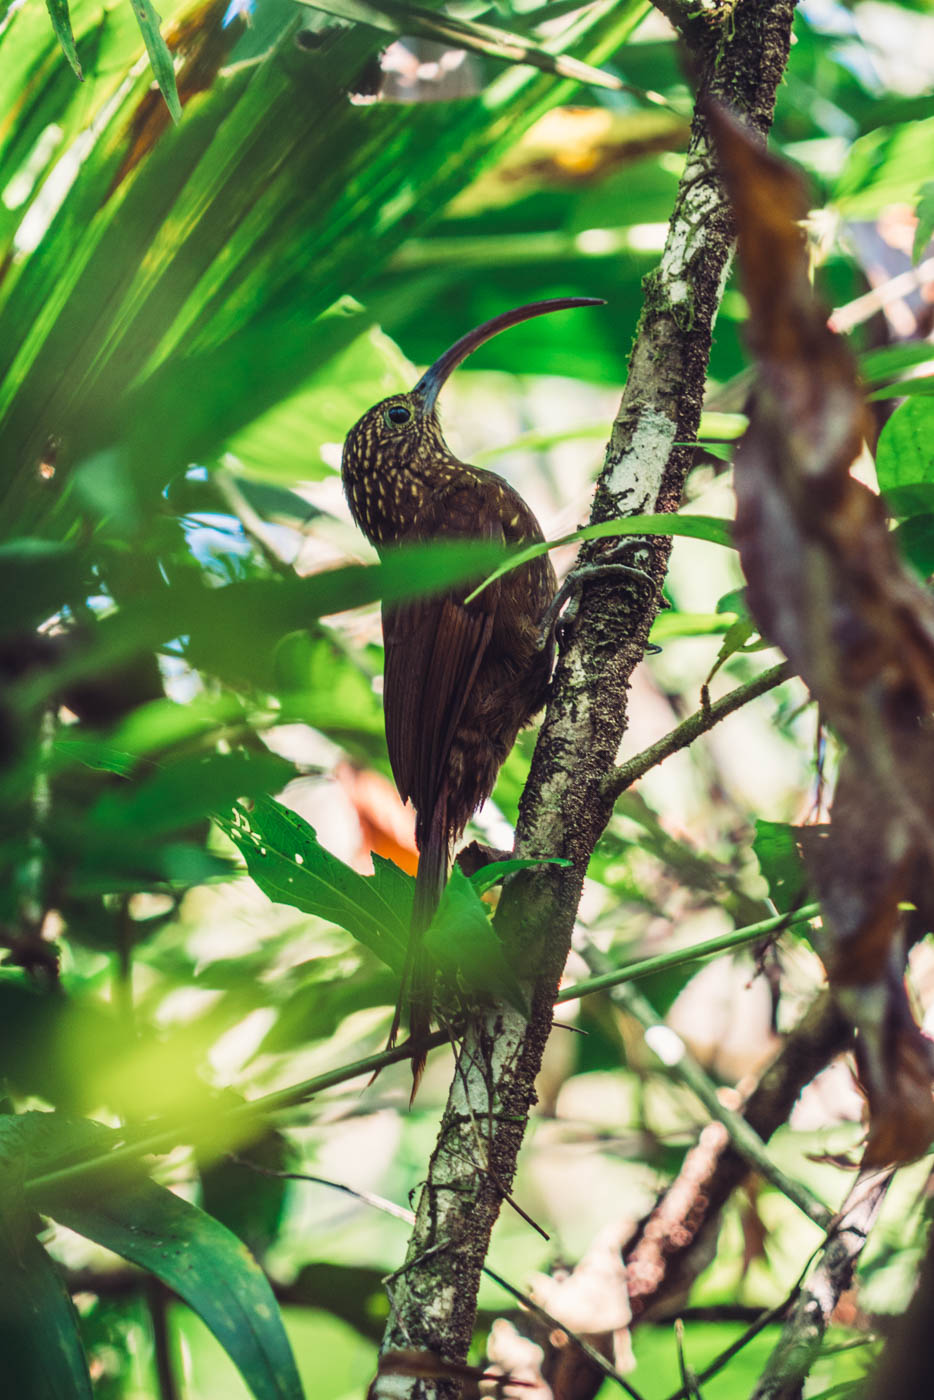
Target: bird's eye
x=398, y=414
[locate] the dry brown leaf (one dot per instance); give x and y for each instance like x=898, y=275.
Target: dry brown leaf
x=826, y=584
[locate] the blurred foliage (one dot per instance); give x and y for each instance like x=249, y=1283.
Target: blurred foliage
x=200, y=291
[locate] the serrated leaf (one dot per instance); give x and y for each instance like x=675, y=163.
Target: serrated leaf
x=61, y=23
x=288, y=862
x=493, y=874
x=159, y=55
x=466, y=947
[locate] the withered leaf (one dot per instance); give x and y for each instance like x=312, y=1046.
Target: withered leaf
x=826, y=584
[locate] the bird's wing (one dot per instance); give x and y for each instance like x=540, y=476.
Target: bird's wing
x=434, y=649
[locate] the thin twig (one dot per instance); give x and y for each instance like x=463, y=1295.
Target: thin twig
x=161, y=1139
x=662, y=962
x=691, y=728
x=804, y=1329
x=744, y=1137
x=401, y=1213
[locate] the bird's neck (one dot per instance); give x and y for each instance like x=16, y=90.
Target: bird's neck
x=386, y=503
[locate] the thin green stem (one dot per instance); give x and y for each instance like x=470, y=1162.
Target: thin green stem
x=738, y=938
x=163, y=1139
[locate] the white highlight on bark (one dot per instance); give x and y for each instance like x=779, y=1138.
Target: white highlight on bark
x=636, y=478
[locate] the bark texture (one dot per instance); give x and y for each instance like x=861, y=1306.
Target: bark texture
x=739, y=60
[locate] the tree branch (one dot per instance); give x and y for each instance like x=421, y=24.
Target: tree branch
x=691, y=728
x=564, y=810
x=803, y=1332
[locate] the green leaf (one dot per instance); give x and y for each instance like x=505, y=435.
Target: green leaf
x=39, y=1339
x=776, y=849
x=159, y=55
x=915, y=538
x=493, y=874
x=288, y=862
x=925, y=216
x=186, y=790
x=466, y=947
x=36, y=578
x=878, y=365
x=284, y=443
x=696, y=527
x=886, y=166
x=905, y=453
x=119, y=1208
x=672, y=623
x=905, y=388
x=401, y=17
x=61, y=23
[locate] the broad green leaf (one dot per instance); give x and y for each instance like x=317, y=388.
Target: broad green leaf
x=186, y=790
x=696, y=527
x=878, y=365
x=905, y=388
x=207, y=1266
x=61, y=23
x=905, y=453
x=402, y=17
x=288, y=862
x=493, y=874
x=466, y=947
x=925, y=216
x=672, y=623
x=886, y=166
x=776, y=849
x=285, y=443
x=39, y=1339
x=915, y=539
x=36, y=578
x=159, y=55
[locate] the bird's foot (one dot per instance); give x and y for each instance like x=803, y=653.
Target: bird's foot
x=558, y=617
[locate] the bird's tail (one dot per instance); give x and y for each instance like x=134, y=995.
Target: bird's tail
x=415, y=993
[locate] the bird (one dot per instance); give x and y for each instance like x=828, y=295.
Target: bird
x=461, y=678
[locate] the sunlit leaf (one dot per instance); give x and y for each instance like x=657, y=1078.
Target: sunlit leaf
x=402, y=17
x=61, y=23
x=159, y=55
x=288, y=862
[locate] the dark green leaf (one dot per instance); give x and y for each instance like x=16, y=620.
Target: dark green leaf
x=921, y=386
x=36, y=578
x=878, y=365
x=188, y=1250
x=776, y=849
x=187, y=790
x=61, y=23
x=39, y=1339
x=466, y=947
x=915, y=539
x=159, y=55
x=288, y=862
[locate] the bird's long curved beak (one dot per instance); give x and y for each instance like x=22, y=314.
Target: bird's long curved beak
x=429, y=386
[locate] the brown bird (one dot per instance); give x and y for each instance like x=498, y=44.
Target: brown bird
x=461, y=679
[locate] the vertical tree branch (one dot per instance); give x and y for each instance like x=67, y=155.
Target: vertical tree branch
x=564, y=809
